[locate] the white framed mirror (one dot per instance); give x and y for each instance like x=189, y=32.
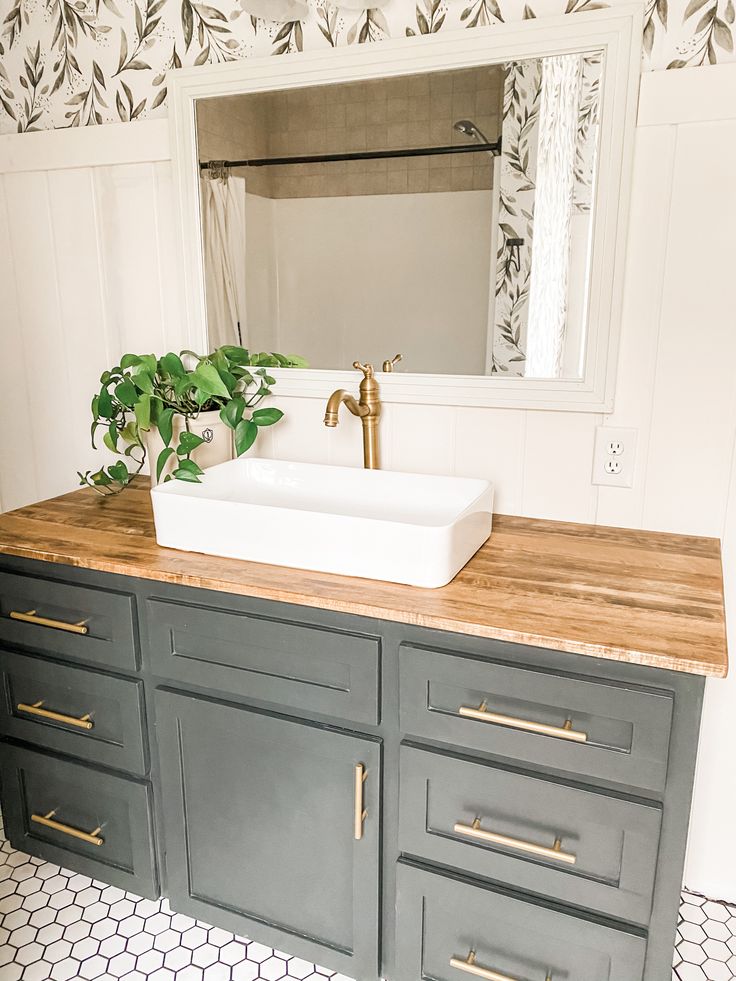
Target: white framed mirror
x=459, y=200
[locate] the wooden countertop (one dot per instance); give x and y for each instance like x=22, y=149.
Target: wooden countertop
x=644, y=597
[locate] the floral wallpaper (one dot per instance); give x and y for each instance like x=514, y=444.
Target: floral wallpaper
x=84, y=62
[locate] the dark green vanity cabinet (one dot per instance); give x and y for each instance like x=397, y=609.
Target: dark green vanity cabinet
x=384, y=800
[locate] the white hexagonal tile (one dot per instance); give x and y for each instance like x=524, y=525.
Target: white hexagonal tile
x=113, y=945
x=245, y=971
x=55, y=884
x=194, y=937
x=205, y=955
x=93, y=967
x=40, y=971
x=23, y=935
x=67, y=969
x=50, y=933
x=273, y=968
x=157, y=923
x=167, y=940
x=140, y=943
x=693, y=914
x=216, y=972
x=103, y=929
x=70, y=914
x=218, y=937
x=17, y=918
x=163, y=974
x=30, y=953
x=150, y=961
x=259, y=952
x=716, y=971
x=716, y=950
x=178, y=958
x=121, y=964
x=77, y=931
x=233, y=952
x=716, y=911
x=58, y=951
x=85, y=948
x=192, y=973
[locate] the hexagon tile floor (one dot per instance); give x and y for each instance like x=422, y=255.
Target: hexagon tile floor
x=56, y=925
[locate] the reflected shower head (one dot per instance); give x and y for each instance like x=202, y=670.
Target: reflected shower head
x=468, y=128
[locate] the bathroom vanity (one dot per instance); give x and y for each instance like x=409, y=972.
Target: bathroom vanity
x=492, y=779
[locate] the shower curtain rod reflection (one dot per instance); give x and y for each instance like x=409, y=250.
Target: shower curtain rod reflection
x=425, y=151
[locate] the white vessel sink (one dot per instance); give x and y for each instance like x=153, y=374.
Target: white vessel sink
x=377, y=524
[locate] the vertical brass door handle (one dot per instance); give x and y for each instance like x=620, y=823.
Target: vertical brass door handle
x=30, y=616
x=360, y=773
x=83, y=722
x=47, y=820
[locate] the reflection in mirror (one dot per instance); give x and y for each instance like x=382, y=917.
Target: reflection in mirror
x=446, y=216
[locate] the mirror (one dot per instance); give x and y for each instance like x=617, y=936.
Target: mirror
x=443, y=216
x=453, y=211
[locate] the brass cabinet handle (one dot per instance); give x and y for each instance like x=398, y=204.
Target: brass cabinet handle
x=91, y=837
x=555, y=853
x=469, y=966
x=83, y=722
x=30, y=616
x=481, y=714
x=360, y=775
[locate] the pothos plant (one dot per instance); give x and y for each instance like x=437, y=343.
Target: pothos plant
x=145, y=392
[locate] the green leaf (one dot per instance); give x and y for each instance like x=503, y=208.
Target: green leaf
x=172, y=365
x=100, y=479
x=144, y=382
x=166, y=425
x=95, y=408
x=185, y=475
x=104, y=404
x=143, y=411
x=232, y=413
x=163, y=456
x=295, y=361
x=112, y=432
x=266, y=417
x=126, y=393
x=245, y=436
x=188, y=442
x=189, y=466
x=238, y=355
x=183, y=384
x=129, y=361
x=118, y=471
x=207, y=380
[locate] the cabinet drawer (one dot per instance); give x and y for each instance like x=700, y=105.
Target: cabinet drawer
x=53, y=613
x=605, y=729
x=442, y=920
x=607, y=846
x=73, y=710
x=101, y=824
x=306, y=667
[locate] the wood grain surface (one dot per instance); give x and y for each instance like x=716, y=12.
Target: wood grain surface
x=643, y=597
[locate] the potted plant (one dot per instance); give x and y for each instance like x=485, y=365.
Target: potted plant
x=183, y=411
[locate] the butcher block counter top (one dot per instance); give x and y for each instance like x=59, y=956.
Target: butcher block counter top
x=643, y=597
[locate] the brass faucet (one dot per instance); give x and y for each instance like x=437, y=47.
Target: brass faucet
x=368, y=408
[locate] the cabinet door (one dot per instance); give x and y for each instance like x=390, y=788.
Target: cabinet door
x=261, y=832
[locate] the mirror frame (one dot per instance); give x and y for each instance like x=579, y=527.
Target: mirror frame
x=616, y=31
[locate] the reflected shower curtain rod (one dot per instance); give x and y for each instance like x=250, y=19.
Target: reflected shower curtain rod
x=428, y=151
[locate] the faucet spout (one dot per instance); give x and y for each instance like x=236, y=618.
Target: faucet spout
x=367, y=408
x=341, y=397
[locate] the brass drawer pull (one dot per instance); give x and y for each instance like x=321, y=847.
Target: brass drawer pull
x=555, y=853
x=91, y=837
x=481, y=714
x=84, y=722
x=469, y=966
x=360, y=812
x=30, y=616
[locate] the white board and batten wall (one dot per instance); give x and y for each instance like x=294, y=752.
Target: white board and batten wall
x=90, y=268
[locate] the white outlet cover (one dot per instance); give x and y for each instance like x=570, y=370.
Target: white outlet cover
x=604, y=435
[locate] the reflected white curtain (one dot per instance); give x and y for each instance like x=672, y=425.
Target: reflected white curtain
x=548, y=292
x=223, y=225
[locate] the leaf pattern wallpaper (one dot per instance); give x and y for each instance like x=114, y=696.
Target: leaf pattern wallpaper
x=85, y=62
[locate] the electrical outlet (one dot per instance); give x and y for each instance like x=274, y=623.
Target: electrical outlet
x=614, y=456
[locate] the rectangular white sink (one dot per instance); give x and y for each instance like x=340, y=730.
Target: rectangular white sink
x=377, y=524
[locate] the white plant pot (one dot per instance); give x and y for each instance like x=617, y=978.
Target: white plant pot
x=217, y=446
